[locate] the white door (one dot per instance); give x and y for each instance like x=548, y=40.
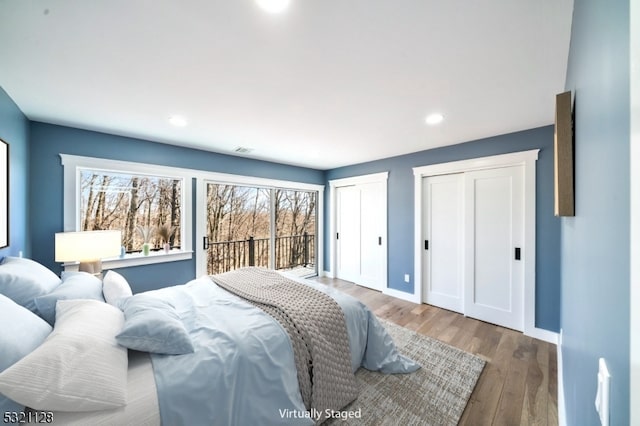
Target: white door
x=442, y=264
x=361, y=234
x=494, y=237
x=348, y=233
x=372, y=235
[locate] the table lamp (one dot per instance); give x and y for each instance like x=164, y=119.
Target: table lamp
x=88, y=248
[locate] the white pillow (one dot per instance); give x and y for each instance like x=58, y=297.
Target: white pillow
x=79, y=367
x=22, y=280
x=21, y=332
x=115, y=287
x=75, y=285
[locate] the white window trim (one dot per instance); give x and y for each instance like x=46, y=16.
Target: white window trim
x=71, y=203
x=634, y=142
x=231, y=179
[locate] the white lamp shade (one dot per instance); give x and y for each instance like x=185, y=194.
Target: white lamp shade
x=87, y=245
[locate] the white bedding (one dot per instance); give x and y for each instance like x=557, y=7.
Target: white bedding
x=142, y=402
x=143, y=406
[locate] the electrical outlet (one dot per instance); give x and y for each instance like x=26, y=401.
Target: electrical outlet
x=602, y=396
x=406, y=278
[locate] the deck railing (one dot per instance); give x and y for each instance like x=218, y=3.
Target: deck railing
x=290, y=251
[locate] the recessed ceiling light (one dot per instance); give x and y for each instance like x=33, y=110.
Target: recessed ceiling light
x=433, y=119
x=273, y=6
x=178, y=121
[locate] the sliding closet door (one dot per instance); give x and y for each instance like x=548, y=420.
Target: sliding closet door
x=372, y=235
x=494, y=236
x=361, y=234
x=442, y=263
x=348, y=233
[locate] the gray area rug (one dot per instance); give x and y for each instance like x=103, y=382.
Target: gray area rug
x=436, y=394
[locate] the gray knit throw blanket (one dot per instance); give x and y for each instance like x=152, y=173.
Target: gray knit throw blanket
x=317, y=329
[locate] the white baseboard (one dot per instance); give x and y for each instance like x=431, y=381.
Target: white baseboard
x=409, y=297
x=542, y=334
x=562, y=414
x=328, y=274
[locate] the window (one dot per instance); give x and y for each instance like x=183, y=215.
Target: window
x=147, y=203
x=145, y=208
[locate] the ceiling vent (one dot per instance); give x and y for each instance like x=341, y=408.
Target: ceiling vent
x=243, y=150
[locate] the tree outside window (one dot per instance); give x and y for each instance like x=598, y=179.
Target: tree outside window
x=147, y=209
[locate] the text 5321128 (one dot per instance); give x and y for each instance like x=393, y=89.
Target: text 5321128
x=29, y=416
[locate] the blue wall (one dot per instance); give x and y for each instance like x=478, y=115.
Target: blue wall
x=14, y=129
x=401, y=210
x=48, y=141
x=595, y=243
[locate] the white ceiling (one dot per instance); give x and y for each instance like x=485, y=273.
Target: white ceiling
x=326, y=84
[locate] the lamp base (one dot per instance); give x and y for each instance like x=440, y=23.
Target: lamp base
x=91, y=266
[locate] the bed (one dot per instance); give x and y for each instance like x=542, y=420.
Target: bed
x=189, y=354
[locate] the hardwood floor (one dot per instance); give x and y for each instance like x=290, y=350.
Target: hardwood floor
x=518, y=386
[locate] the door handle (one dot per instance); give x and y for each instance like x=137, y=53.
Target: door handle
x=379, y=241
x=426, y=244
x=517, y=254
x=205, y=243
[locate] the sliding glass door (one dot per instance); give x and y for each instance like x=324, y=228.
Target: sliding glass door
x=256, y=226
x=238, y=227
x=295, y=239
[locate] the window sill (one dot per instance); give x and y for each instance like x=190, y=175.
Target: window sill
x=137, y=259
